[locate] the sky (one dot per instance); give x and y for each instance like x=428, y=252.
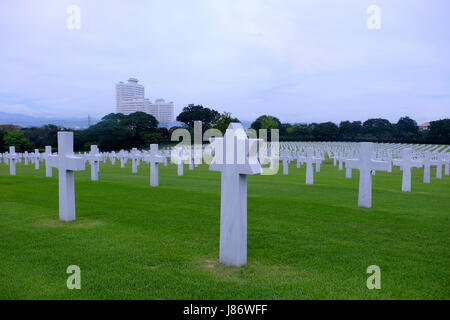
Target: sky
x=301, y=61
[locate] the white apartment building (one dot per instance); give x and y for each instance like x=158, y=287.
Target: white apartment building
x=130, y=97
x=161, y=110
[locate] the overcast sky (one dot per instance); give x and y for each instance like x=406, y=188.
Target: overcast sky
x=301, y=61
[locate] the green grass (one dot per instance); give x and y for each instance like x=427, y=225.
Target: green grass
x=304, y=242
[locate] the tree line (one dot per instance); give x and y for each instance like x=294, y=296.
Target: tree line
x=117, y=131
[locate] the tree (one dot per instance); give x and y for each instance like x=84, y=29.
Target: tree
x=108, y=135
x=378, y=130
x=439, y=132
x=140, y=123
x=43, y=136
x=115, y=117
x=407, y=130
x=193, y=113
x=349, y=130
x=222, y=121
x=155, y=137
x=326, y=131
x=164, y=132
x=18, y=140
x=284, y=129
x=2, y=146
x=266, y=122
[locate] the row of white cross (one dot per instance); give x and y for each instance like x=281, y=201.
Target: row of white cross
x=233, y=212
x=368, y=162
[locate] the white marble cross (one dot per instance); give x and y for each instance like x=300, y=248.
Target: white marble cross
x=123, y=158
x=190, y=153
x=36, y=156
x=180, y=163
x=405, y=164
x=94, y=158
x=154, y=158
x=47, y=154
x=285, y=158
x=135, y=158
x=310, y=160
x=348, y=170
x=67, y=163
x=299, y=160
x=112, y=157
x=341, y=160
x=319, y=157
x=446, y=159
x=26, y=157
x=12, y=157
x=234, y=160
x=366, y=167
x=439, y=162
x=389, y=160
x=427, y=163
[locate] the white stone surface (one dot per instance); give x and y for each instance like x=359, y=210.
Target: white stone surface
x=406, y=163
x=36, y=156
x=154, y=158
x=135, y=158
x=180, y=162
x=12, y=157
x=94, y=158
x=47, y=154
x=66, y=163
x=285, y=158
x=366, y=167
x=234, y=165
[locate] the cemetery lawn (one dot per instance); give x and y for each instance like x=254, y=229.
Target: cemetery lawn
x=304, y=241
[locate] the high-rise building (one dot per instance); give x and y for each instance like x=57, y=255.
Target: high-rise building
x=130, y=97
x=161, y=110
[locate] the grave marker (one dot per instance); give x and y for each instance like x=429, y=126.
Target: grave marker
x=406, y=163
x=232, y=159
x=366, y=167
x=154, y=158
x=12, y=157
x=48, y=169
x=66, y=163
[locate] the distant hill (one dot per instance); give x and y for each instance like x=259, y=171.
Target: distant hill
x=30, y=121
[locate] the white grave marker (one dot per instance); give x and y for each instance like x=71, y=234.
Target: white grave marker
x=67, y=163
x=232, y=159
x=406, y=163
x=48, y=169
x=94, y=160
x=36, y=158
x=12, y=157
x=366, y=167
x=154, y=158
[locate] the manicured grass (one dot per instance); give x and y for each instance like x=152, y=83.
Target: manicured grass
x=304, y=242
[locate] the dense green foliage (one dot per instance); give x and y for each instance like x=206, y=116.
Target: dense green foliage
x=266, y=122
x=304, y=241
x=439, y=131
x=16, y=138
x=116, y=131
x=222, y=121
x=193, y=113
x=405, y=130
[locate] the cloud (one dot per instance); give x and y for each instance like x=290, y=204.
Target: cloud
x=298, y=60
